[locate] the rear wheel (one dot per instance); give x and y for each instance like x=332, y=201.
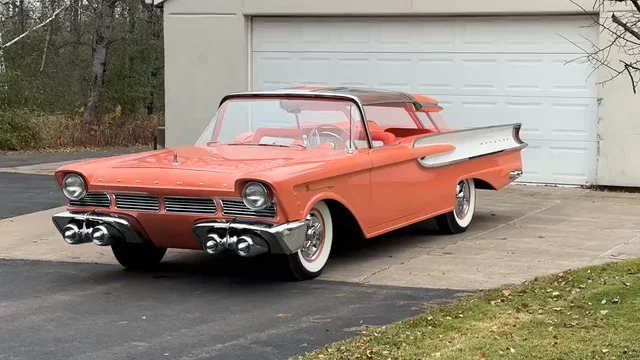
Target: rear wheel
x=310, y=261
x=459, y=219
x=138, y=256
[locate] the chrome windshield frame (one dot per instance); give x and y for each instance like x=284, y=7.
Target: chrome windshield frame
x=302, y=93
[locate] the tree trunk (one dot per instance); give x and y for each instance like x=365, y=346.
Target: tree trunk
x=22, y=18
x=99, y=54
x=154, y=20
x=3, y=69
x=76, y=39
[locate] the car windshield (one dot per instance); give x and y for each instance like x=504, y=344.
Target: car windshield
x=306, y=122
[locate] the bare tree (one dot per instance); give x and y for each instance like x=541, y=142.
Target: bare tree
x=103, y=38
x=620, y=55
x=24, y=33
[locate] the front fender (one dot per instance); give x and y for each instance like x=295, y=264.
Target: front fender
x=324, y=196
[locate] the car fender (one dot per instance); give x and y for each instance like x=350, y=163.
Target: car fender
x=326, y=195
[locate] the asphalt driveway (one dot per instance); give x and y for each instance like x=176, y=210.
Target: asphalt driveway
x=196, y=306
x=22, y=194
x=27, y=184
x=83, y=311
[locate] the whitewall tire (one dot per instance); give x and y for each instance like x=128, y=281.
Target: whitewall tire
x=459, y=219
x=310, y=261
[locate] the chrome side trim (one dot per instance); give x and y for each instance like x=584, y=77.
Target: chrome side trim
x=89, y=220
x=510, y=125
x=423, y=163
x=285, y=239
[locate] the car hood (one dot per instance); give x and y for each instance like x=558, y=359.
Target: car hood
x=215, y=167
x=229, y=159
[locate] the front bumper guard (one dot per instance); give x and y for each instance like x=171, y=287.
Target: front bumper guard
x=246, y=238
x=216, y=236
x=78, y=228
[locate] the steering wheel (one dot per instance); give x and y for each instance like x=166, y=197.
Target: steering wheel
x=315, y=132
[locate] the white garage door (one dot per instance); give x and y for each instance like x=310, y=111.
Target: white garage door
x=483, y=71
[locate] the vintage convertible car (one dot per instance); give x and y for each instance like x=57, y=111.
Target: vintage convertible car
x=289, y=173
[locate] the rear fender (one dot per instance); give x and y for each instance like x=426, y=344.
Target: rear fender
x=471, y=144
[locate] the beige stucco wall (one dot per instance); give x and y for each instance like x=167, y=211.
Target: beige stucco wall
x=207, y=55
x=619, y=123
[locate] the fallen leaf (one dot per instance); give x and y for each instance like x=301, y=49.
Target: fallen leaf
x=506, y=293
x=283, y=316
x=482, y=356
x=604, y=301
x=604, y=351
x=603, y=312
x=511, y=349
x=555, y=294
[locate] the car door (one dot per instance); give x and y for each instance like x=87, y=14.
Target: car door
x=402, y=189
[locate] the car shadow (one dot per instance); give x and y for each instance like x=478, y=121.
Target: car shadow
x=230, y=268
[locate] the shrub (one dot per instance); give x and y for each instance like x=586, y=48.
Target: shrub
x=28, y=131
x=18, y=131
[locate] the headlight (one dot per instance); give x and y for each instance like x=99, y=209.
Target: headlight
x=73, y=187
x=255, y=196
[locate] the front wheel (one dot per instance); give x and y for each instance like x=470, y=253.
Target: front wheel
x=310, y=261
x=459, y=219
x=138, y=256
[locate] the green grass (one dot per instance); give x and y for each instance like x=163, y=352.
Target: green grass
x=589, y=313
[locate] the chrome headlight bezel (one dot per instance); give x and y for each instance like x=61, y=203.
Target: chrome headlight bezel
x=256, y=196
x=80, y=186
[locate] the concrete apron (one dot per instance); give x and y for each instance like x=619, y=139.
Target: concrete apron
x=517, y=234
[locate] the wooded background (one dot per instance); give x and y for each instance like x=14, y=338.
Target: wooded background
x=90, y=67
x=89, y=73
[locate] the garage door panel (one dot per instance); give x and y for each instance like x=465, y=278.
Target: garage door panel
x=483, y=71
x=433, y=35
x=451, y=74
x=559, y=163
x=561, y=120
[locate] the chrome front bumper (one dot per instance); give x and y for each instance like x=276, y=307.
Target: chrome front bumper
x=251, y=239
x=246, y=238
x=101, y=229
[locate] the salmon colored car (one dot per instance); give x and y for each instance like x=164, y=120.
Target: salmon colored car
x=289, y=173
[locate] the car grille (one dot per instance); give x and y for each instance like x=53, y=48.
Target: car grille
x=236, y=207
x=93, y=199
x=178, y=204
x=138, y=202
x=173, y=204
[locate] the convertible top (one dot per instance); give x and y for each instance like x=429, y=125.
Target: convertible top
x=367, y=96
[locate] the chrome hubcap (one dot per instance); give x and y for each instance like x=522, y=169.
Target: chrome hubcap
x=463, y=199
x=315, y=237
